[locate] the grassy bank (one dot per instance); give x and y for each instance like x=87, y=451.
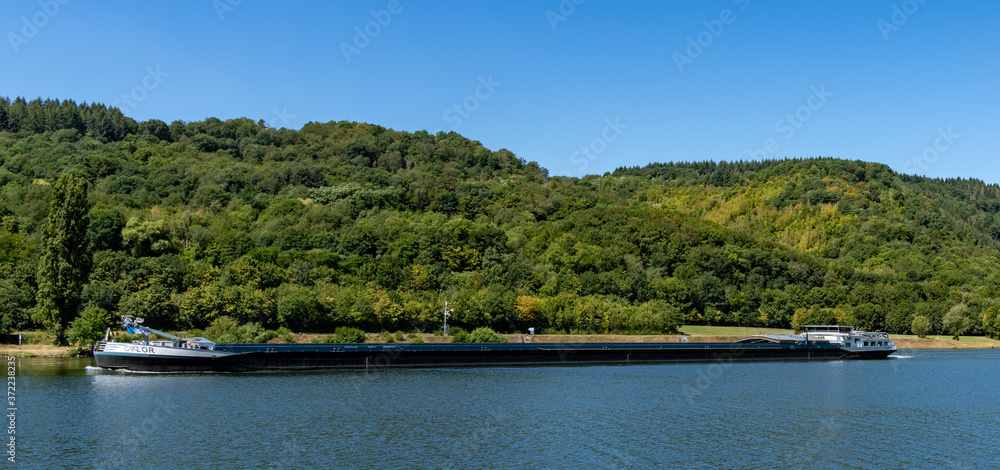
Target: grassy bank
x=33, y=350
x=35, y=343
x=944, y=342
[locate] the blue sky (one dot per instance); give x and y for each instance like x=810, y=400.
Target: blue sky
x=581, y=88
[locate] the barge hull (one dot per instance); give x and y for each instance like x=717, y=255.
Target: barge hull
x=276, y=357
x=162, y=363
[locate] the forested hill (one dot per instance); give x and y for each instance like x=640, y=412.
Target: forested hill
x=352, y=224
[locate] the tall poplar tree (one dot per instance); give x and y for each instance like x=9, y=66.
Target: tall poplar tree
x=64, y=264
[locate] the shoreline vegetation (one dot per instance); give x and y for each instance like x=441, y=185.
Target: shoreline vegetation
x=694, y=333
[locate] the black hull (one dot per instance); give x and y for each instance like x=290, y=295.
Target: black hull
x=869, y=354
x=272, y=357
x=161, y=364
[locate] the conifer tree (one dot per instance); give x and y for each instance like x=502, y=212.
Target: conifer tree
x=4, y=104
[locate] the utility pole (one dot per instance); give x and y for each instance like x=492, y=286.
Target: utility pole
x=447, y=313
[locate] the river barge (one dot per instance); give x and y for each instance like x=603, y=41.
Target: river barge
x=201, y=355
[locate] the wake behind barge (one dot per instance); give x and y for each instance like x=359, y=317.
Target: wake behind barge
x=202, y=355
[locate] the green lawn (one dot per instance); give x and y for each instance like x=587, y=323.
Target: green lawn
x=703, y=330
x=970, y=339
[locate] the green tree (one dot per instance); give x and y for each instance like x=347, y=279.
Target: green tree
x=813, y=316
x=17, y=295
x=89, y=327
x=105, y=229
x=486, y=335
x=868, y=317
x=526, y=307
x=656, y=316
x=921, y=326
x=346, y=334
x=146, y=237
x=991, y=322
x=298, y=309
x=223, y=330
x=64, y=264
x=153, y=304
x=458, y=335
x=956, y=322
x=228, y=330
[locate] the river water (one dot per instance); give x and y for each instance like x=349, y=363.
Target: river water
x=923, y=409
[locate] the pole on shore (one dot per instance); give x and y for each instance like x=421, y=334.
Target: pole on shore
x=447, y=313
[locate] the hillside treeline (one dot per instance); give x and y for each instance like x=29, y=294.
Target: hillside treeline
x=351, y=224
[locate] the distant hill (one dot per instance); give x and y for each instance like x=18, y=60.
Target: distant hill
x=345, y=223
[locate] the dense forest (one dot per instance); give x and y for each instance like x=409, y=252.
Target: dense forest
x=351, y=224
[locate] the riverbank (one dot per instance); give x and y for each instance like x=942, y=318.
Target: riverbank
x=36, y=350
x=902, y=341
x=690, y=333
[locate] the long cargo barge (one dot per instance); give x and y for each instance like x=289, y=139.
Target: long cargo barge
x=202, y=355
